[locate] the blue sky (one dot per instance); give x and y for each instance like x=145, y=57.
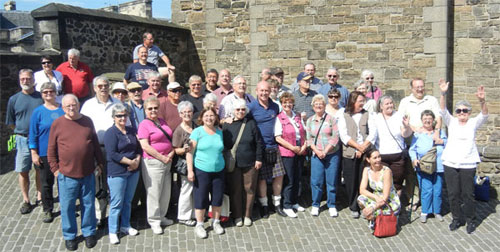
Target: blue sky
x=161, y=8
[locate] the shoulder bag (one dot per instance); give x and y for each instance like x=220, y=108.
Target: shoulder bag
x=230, y=155
x=428, y=161
x=319, y=130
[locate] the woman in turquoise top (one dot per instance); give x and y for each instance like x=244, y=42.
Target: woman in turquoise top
x=206, y=169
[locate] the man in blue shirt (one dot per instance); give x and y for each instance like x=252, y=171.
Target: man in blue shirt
x=265, y=111
x=333, y=76
x=138, y=71
x=309, y=69
x=19, y=110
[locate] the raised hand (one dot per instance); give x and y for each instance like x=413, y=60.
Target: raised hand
x=480, y=93
x=443, y=85
x=406, y=121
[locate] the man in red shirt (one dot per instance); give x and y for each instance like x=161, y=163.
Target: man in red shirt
x=77, y=76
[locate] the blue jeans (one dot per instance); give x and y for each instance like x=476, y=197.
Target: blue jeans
x=430, y=191
x=321, y=169
x=121, y=189
x=71, y=189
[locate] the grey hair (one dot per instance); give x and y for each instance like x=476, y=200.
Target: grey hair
x=310, y=63
x=194, y=78
x=26, y=70
x=366, y=73
x=153, y=74
x=318, y=97
x=183, y=105
x=73, y=52
x=48, y=85
x=381, y=100
x=463, y=103
x=150, y=100
x=211, y=97
x=145, y=35
x=70, y=96
x=100, y=78
x=237, y=77
x=333, y=69
x=118, y=108
x=357, y=84
x=240, y=104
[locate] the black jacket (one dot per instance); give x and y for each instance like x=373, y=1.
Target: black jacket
x=250, y=146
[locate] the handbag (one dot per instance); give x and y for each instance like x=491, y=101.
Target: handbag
x=386, y=225
x=230, y=155
x=181, y=166
x=482, y=188
x=317, y=134
x=404, y=151
x=428, y=161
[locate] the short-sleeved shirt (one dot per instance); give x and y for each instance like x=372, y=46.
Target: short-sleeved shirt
x=220, y=94
x=154, y=54
x=41, y=77
x=413, y=108
x=344, y=93
x=76, y=81
x=100, y=114
x=208, y=154
x=157, y=140
x=327, y=133
x=226, y=108
x=387, y=132
x=303, y=102
x=41, y=120
x=19, y=110
x=139, y=73
x=197, y=103
x=265, y=119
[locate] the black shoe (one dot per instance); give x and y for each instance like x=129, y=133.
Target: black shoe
x=90, y=241
x=280, y=211
x=26, y=208
x=101, y=223
x=71, y=245
x=47, y=217
x=264, y=212
x=455, y=224
x=471, y=227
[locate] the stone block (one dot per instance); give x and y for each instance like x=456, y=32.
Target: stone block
x=328, y=20
x=333, y=55
x=350, y=28
x=302, y=20
x=375, y=38
x=258, y=39
x=214, y=43
x=239, y=4
x=435, y=45
x=256, y=11
x=329, y=28
x=468, y=45
x=195, y=17
x=223, y=4
x=346, y=47
x=296, y=10
x=378, y=56
x=342, y=11
x=402, y=19
x=392, y=73
x=316, y=55
x=317, y=3
x=435, y=14
x=288, y=44
x=377, y=19
x=486, y=167
x=481, y=32
x=439, y=29
x=368, y=29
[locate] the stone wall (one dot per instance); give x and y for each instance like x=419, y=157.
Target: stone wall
x=398, y=40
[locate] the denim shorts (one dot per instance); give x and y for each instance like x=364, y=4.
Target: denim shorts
x=23, y=155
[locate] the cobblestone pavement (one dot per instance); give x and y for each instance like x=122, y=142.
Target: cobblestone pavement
x=28, y=232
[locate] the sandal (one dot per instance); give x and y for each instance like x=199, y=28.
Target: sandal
x=189, y=223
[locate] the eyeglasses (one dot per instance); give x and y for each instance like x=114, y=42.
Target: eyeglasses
x=121, y=116
x=332, y=76
x=175, y=90
x=135, y=90
x=120, y=92
x=333, y=96
x=195, y=85
x=465, y=111
x=241, y=109
x=187, y=112
x=369, y=78
x=102, y=86
x=48, y=92
x=46, y=62
x=152, y=108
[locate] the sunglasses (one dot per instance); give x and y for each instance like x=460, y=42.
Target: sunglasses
x=121, y=116
x=175, y=90
x=333, y=96
x=135, y=90
x=369, y=78
x=332, y=76
x=48, y=92
x=465, y=111
x=152, y=108
x=120, y=92
x=102, y=86
x=46, y=62
x=241, y=109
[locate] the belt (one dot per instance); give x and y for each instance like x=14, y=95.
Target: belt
x=23, y=135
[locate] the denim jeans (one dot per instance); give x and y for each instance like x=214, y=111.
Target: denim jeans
x=71, y=189
x=321, y=170
x=430, y=191
x=23, y=154
x=122, y=189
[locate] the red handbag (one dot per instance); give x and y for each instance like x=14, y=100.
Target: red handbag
x=386, y=225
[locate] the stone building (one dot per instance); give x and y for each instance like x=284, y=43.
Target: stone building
x=141, y=8
x=397, y=39
x=16, y=29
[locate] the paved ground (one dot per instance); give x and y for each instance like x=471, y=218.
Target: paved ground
x=28, y=233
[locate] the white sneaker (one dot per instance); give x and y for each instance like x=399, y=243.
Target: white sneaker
x=200, y=231
x=157, y=230
x=298, y=208
x=315, y=211
x=129, y=231
x=290, y=213
x=439, y=217
x=239, y=222
x=247, y=222
x=217, y=228
x=333, y=212
x=166, y=222
x=113, y=238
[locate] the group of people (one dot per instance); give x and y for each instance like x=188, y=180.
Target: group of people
x=219, y=139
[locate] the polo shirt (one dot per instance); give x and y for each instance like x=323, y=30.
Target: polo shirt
x=226, y=108
x=303, y=102
x=19, y=109
x=220, y=93
x=76, y=81
x=139, y=73
x=154, y=54
x=265, y=119
x=413, y=108
x=344, y=93
x=162, y=97
x=100, y=114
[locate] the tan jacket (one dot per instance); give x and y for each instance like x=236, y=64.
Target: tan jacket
x=352, y=130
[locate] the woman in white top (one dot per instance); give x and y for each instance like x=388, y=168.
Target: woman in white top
x=333, y=107
x=391, y=127
x=460, y=156
x=47, y=74
x=370, y=104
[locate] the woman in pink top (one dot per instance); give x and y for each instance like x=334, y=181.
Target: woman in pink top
x=156, y=141
x=374, y=92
